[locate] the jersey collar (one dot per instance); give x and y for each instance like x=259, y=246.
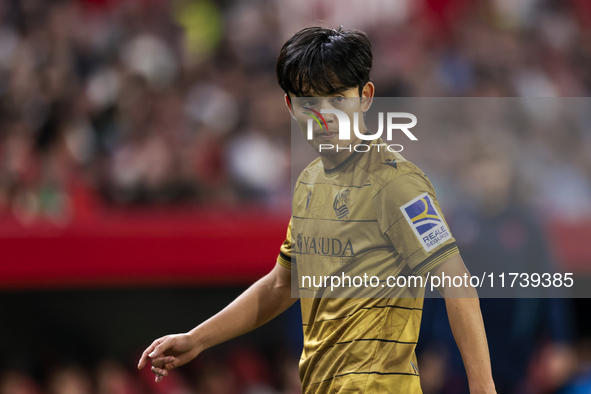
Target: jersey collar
x=348, y=161
x=353, y=157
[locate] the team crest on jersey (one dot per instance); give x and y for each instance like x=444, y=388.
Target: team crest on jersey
x=426, y=221
x=340, y=204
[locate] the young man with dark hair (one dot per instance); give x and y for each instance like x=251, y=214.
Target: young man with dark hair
x=369, y=205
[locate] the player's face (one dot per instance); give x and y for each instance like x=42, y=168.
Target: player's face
x=327, y=134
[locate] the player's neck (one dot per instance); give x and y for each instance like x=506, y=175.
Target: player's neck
x=330, y=162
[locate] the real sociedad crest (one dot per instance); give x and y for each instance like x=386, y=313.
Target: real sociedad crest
x=340, y=204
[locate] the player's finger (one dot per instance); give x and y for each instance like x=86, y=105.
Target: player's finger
x=160, y=371
x=149, y=349
x=161, y=361
x=171, y=366
x=181, y=360
x=161, y=348
x=144, y=357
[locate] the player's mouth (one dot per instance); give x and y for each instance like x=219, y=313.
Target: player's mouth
x=327, y=135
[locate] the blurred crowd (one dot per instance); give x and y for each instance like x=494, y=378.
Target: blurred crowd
x=134, y=102
x=126, y=102
x=244, y=370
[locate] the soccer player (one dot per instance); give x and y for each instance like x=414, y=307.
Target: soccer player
x=353, y=212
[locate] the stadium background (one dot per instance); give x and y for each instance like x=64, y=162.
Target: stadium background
x=144, y=178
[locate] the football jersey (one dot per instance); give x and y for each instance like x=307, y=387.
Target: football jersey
x=375, y=214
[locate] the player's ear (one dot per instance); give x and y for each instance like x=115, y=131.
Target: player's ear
x=367, y=96
x=288, y=105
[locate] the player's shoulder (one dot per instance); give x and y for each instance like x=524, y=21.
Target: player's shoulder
x=384, y=166
x=311, y=172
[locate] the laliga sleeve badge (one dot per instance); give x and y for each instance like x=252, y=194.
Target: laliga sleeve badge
x=426, y=222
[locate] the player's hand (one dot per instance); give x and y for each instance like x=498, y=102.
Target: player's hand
x=168, y=352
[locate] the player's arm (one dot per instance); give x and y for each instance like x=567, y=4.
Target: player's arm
x=402, y=202
x=261, y=302
x=465, y=319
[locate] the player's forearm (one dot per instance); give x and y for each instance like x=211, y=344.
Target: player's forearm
x=260, y=303
x=466, y=323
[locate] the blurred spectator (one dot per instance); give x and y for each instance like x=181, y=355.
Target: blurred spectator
x=69, y=380
x=112, y=378
x=581, y=383
x=13, y=382
x=496, y=230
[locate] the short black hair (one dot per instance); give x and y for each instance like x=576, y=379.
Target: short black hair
x=324, y=61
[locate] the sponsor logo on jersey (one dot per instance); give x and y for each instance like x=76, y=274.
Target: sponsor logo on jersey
x=340, y=204
x=426, y=222
x=324, y=246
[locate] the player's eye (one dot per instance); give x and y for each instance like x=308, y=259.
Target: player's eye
x=308, y=103
x=338, y=99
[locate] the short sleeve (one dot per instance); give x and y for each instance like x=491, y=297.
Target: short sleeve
x=284, y=257
x=409, y=214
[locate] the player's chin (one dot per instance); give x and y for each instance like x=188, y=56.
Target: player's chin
x=327, y=152
x=326, y=148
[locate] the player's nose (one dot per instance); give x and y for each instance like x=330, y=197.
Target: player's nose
x=330, y=118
